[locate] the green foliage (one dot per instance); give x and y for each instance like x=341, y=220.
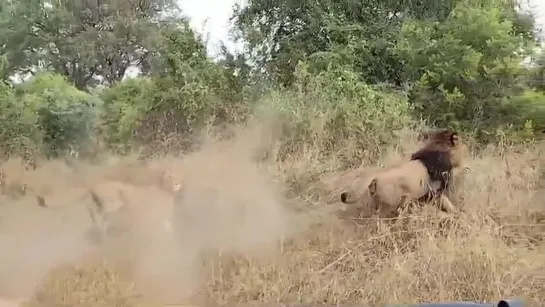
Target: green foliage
x=531, y=105
x=48, y=113
x=281, y=33
x=82, y=40
x=537, y=72
x=362, y=35
x=64, y=115
x=334, y=107
x=465, y=69
x=14, y=129
x=186, y=92
x=340, y=72
x=125, y=105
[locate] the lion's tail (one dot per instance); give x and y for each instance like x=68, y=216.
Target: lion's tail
x=351, y=198
x=41, y=201
x=348, y=198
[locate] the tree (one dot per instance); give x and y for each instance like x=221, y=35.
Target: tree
x=184, y=91
x=282, y=33
x=362, y=35
x=465, y=69
x=88, y=42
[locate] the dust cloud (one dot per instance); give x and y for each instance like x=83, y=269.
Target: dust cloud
x=230, y=203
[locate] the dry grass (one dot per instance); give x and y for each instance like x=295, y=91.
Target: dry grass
x=244, y=242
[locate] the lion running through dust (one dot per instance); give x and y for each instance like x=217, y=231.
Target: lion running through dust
x=115, y=208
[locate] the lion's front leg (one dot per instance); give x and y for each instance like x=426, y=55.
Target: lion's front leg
x=445, y=204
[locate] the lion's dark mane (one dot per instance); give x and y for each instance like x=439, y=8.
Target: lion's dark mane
x=439, y=166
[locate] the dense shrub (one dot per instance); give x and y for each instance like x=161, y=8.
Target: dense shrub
x=62, y=115
x=465, y=69
x=48, y=113
x=334, y=107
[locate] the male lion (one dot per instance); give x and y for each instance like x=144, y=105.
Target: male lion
x=426, y=176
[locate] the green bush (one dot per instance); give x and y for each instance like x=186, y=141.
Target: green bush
x=63, y=116
x=141, y=110
x=16, y=124
x=465, y=69
x=47, y=113
x=125, y=106
x=531, y=105
x=334, y=107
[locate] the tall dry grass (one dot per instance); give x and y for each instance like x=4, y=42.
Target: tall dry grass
x=256, y=230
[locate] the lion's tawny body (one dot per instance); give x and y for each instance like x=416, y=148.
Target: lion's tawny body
x=426, y=176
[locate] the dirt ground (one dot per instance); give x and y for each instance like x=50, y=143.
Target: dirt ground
x=265, y=232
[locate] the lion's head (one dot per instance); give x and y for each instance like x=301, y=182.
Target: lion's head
x=443, y=150
x=444, y=142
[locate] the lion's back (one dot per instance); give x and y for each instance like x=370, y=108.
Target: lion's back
x=408, y=179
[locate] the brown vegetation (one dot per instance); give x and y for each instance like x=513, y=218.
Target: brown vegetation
x=238, y=239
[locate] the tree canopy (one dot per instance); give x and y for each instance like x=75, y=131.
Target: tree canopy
x=360, y=66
